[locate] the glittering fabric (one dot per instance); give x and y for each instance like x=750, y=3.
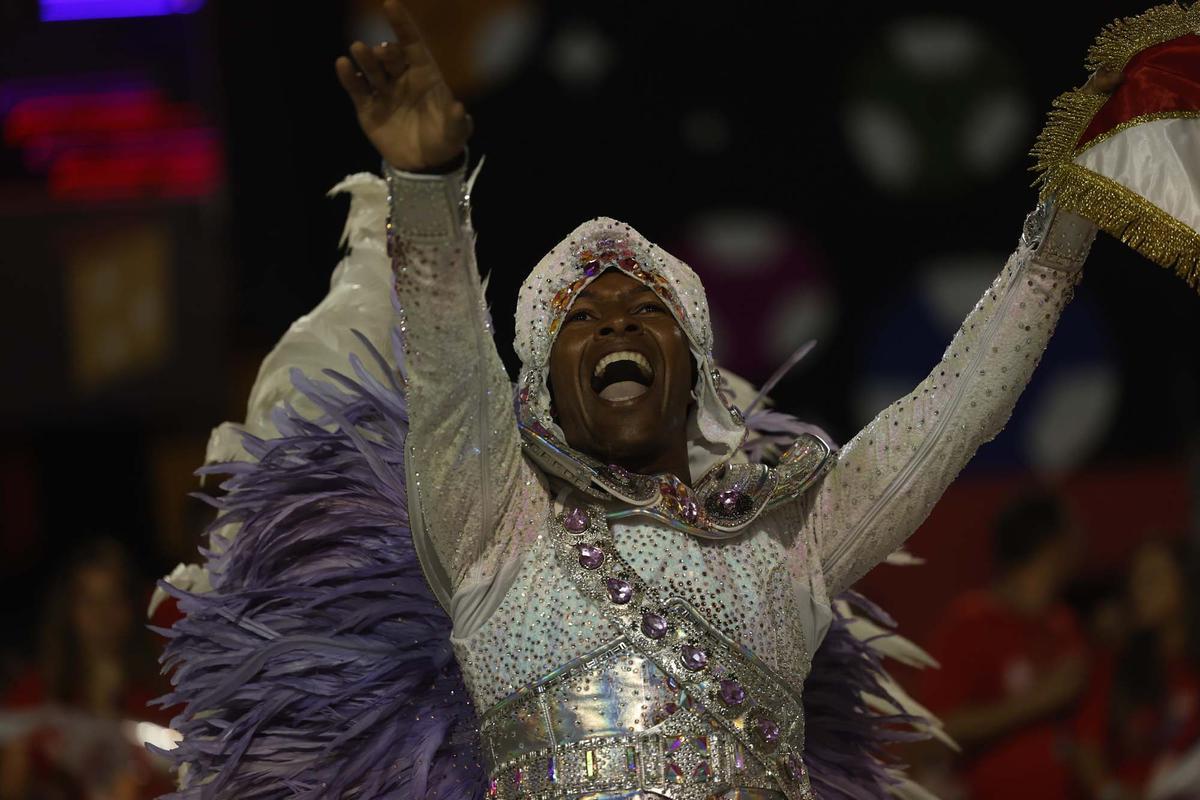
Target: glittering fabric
x=481, y=509
x=485, y=507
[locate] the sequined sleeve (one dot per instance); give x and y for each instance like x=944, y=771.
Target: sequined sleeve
x=888, y=477
x=469, y=487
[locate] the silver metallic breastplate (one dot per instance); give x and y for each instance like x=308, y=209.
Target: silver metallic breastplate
x=672, y=707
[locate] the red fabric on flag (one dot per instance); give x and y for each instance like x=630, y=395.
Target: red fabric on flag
x=1163, y=78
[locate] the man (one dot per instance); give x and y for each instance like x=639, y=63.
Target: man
x=635, y=609
x=1013, y=660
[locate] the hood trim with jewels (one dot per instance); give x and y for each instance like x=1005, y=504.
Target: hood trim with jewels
x=720, y=506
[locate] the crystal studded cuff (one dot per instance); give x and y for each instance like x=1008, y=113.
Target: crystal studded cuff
x=1060, y=239
x=425, y=207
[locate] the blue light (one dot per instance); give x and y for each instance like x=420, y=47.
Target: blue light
x=64, y=10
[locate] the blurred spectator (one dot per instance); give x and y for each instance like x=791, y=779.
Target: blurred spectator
x=1142, y=714
x=69, y=729
x=1099, y=604
x=1013, y=661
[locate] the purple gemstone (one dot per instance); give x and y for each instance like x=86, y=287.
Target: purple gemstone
x=654, y=625
x=591, y=268
x=768, y=729
x=728, y=501
x=732, y=693
x=590, y=556
x=693, y=657
x=619, y=591
x=576, y=520
x=689, y=509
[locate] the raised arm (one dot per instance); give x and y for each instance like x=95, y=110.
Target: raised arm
x=888, y=477
x=467, y=480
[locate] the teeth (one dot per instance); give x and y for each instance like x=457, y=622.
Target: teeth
x=624, y=355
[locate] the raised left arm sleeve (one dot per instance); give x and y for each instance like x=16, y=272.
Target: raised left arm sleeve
x=888, y=477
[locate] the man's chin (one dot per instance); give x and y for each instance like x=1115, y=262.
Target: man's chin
x=624, y=447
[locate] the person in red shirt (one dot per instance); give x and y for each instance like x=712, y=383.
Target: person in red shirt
x=1013, y=661
x=75, y=716
x=1142, y=714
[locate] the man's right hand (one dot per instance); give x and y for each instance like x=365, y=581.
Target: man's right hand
x=404, y=105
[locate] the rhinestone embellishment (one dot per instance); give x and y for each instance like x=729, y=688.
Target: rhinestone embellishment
x=693, y=657
x=768, y=729
x=732, y=693
x=590, y=556
x=728, y=500
x=654, y=625
x=576, y=520
x=619, y=591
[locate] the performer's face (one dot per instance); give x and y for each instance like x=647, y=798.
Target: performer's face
x=633, y=409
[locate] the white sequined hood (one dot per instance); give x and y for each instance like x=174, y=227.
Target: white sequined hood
x=715, y=428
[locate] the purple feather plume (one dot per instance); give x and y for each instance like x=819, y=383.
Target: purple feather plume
x=320, y=666
x=847, y=746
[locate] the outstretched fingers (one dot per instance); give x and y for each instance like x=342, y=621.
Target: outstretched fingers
x=371, y=67
x=408, y=35
x=392, y=58
x=353, y=81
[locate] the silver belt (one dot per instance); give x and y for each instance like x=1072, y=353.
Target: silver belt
x=612, y=723
x=681, y=766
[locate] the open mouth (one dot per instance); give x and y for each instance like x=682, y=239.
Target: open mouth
x=624, y=375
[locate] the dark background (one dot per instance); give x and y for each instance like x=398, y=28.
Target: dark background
x=695, y=107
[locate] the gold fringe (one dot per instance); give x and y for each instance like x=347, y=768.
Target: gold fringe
x=1126, y=215
x=1133, y=123
x=1131, y=218
x=1125, y=38
x=1070, y=114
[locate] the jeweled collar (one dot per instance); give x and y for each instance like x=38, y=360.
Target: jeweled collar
x=723, y=502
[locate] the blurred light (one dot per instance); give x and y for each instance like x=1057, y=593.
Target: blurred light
x=504, y=40
x=1071, y=416
x=797, y=314
x=175, y=164
x=94, y=112
x=706, y=130
x=994, y=127
x=934, y=105
x=885, y=144
x=123, y=143
x=749, y=258
x=580, y=56
x=118, y=300
x=934, y=46
x=739, y=242
x=64, y=10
